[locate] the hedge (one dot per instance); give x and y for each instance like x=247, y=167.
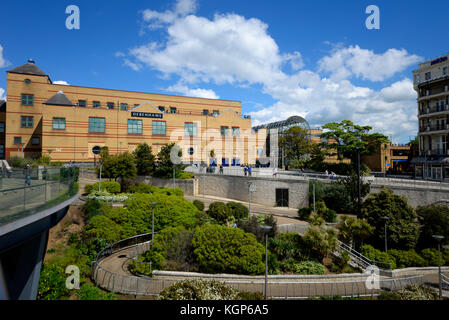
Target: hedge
x=109, y=186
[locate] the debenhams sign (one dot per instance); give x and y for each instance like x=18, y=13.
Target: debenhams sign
x=147, y=115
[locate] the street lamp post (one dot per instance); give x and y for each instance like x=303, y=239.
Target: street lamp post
x=101, y=167
x=266, y=229
x=358, y=182
x=386, y=220
x=153, y=204
x=439, y=239
x=251, y=189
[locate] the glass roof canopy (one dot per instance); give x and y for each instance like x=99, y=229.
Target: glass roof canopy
x=286, y=124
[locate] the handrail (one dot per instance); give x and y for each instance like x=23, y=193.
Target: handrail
x=364, y=262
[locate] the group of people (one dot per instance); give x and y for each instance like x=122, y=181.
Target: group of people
x=332, y=175
x=248, y=170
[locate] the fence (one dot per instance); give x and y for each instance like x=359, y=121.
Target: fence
x=277, y=289
x=46, y=189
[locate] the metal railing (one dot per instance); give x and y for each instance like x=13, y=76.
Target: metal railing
x=359, y=259
x=19, y=200
x=445, y=281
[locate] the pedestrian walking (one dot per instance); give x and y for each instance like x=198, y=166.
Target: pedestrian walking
x=221, y=169
x=250, y=171
x=275, y=172
x=27, y=174
x=245, y=169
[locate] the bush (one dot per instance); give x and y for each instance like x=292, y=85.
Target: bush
x=219, y=211
x=309, y=267
x=431, y=257
x=90, y=292
x=199, y=205
x=412, y=292
x=376, y=255
x=199, y=290
x=433, y=219
x=253, y=225
x=407, y=259
x=304, y=213
x=109, y=186
x=337, y=198
x=183, y=175
x=221, y=249
x=319, y=242
x=149, y=189
x=52, y=283
x=18, y=162
x=238, y=210
x=330, y=216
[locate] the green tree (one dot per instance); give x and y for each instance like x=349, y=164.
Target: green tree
x=220, y=212
x=433, y=220
x=144, y=160
x=351, y=186
x=220, y=249
x=296, y=145
x=354, y=231
x=165, y=165
x=402, y=226
x=319, y=241
x=348, y=137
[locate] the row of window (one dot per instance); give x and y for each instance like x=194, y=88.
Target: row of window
x=35, y=141
x=28, y=100
x=98, y=125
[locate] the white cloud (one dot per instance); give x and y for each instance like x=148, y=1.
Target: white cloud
x=60, y=82
x=344, y=63
x=232, y=49
x=2, y=96
x=3, y=62
x=198, y=93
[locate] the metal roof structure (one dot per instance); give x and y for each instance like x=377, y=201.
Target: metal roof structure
x=285, y=124
x=59, y=99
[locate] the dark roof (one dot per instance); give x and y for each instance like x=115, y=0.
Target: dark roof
x=29, y=68
x=59, y=99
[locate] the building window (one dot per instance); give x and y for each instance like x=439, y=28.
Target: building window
x=224, y=131
x=27, y=99
x=2, y=151
x=35, y=141
x=215, y=113
x=417, y=79
x=235, y=131
x=205, y=112
x=445, y=71
x=190, y=129
x=124, y=107
x=82, y=103
x=191, y=151
x=159, y=128
x=17, y=140
x=2, y=127
x=134, y=126
x=161, y=108
x=96, y=104
x=428, y=75
x=97, y=125
x=136, y=105
x=172, y=110
x=26, y=122
x=59, y=123
x=110, y=105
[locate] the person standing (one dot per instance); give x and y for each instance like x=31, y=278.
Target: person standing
x=221, y=169
x=27, y=174
x=275, y=172
x=245, y=169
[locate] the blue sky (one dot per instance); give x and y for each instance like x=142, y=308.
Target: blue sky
x=280, y=58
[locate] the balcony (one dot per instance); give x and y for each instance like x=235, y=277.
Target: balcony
x=434, y=110
x=439, y=152
x=434, y=128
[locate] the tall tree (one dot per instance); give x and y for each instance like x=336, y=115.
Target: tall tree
x=296, y=145
x=348, y=137
x=144, y=159
x=165, y=165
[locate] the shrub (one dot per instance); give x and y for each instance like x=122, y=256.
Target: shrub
x=144, y=160
x=238, y=210
x=304, y=213
x=219, y=211
x=433, y=219
x=309, y=267
x=412, y=292
x=184, y=175
x=199, y=205
x=109, y=186
x=221, y=249
x=52, y=283
x=337, y=198
x=407, y=259
x=18, y=162
x=90, y=292
x=330, y=216
x=430, y=256
x=319, y=242
x=199, y=290
x=286, y=246
x=253, y=225
x=101, y=226
x=376, y=255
